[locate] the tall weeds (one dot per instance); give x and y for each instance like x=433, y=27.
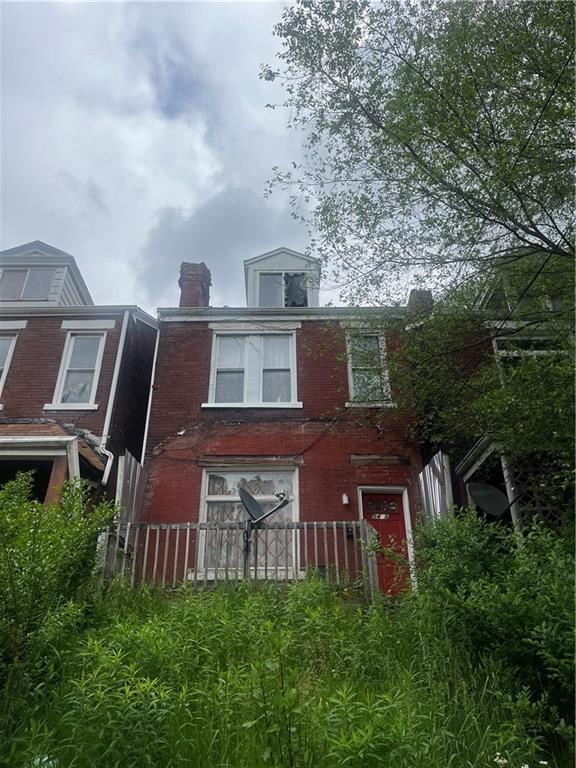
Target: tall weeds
x=259, y=677
x=472, y=670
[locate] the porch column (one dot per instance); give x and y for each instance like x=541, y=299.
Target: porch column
x=58, y=476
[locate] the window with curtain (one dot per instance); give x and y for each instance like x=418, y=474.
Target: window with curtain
x=224, y=547
x=254, y=368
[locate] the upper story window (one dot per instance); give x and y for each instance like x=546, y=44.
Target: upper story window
x=283, y=289
x=7, y=343
x=367, y=371
x=79, y=372
x=254, y=370
x=25, y=284
x=511, y=350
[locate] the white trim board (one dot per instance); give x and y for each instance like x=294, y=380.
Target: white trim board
x=13, y=325
x=88, y=325
x=43, y=445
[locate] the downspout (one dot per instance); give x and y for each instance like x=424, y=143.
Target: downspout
x=152, y=377
x=112, y=401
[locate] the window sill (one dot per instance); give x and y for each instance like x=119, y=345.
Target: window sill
x=379, y=404
x=70, y=406
x=251, y=405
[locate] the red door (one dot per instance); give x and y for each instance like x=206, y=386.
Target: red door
x=385, y=513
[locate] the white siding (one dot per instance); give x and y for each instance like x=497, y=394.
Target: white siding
x=69, y=296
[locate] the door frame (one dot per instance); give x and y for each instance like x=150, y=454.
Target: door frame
x=402, y=489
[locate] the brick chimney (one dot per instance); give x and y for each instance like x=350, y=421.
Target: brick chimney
x=194, y=282
x=420, y=301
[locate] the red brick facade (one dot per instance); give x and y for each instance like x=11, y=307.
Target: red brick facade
x=34, y=370
x=33, y=373
x=335, y=448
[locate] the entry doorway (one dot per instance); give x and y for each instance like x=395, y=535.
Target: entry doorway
x=386, y=510
x=41, y=477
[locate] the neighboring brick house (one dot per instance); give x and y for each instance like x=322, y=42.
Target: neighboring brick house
x=281, y=396
x=74, y=377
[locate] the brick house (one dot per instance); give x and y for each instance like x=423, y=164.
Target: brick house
x=74, y=377
x=281, y=396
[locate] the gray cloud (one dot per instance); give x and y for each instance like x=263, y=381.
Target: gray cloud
x=139, y=138
x=178, y=84
x=232, y=226
x=89, y=194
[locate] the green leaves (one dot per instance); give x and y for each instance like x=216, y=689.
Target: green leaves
x=47, y=554
x=437, y=134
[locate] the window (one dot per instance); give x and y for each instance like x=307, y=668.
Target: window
x=254, y=369
x=512, y=350
x=223, y=548
x=7, y=343
x=367, y=373
x=25, y=284
x=283, y=289
x=79, y=371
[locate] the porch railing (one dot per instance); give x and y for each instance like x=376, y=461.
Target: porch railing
x=170, y=555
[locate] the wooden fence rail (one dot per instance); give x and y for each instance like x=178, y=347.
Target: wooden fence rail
x=170, y=555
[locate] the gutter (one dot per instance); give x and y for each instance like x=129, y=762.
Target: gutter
x=112, y=401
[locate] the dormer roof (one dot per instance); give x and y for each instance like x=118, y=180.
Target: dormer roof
x=281, y=260
x=39, y=254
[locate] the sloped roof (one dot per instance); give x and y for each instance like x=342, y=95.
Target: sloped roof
x=49, y=255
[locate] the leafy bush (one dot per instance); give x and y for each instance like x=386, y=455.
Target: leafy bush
x=46, y=558
x=511, y=598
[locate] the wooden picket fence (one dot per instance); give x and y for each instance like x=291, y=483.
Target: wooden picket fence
x=172, y=555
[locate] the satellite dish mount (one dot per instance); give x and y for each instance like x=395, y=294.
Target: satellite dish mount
x=255, y=516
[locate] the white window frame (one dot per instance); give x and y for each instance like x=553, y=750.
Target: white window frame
x=13, y=336
x=307, y=272
x=28, y=270
x=91, y=405
x=257, y=333
x=387, y=399
x=503, y=354
x=211, y=574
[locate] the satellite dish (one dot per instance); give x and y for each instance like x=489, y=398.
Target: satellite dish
x=255, y=511
x=250, y=504
x=488, y=498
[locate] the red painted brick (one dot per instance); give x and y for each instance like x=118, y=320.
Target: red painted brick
x=322, y=435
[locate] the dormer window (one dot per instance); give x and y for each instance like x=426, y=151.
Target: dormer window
x=283, y=289
x=25, y=284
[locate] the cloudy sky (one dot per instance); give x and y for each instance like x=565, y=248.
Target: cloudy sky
x=135, y=136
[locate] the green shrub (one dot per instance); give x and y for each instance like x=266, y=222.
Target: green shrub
x=510, y=598
x=47, y=554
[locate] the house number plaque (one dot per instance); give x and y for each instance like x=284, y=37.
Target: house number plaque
x=381, y=509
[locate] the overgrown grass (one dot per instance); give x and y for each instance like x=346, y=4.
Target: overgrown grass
x=266, y=677
x=475, y=669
